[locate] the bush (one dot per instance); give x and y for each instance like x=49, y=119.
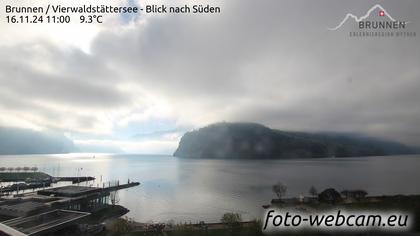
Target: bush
x=231, y=219
x=120, y=226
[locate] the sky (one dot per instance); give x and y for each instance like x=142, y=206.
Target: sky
x=136, y=83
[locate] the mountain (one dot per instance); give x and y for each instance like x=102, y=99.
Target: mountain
x=14, y=141
x=255, y=141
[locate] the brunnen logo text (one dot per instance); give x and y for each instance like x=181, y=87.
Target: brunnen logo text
x=385, y=26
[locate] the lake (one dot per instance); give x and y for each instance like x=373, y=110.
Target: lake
x=193, y=190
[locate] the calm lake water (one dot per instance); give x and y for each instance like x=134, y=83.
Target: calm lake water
x=192, y=190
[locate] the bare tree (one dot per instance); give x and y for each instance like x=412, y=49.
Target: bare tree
x=313, y=191
x=279, y=189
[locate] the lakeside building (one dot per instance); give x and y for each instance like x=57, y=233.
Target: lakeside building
x=53, y=208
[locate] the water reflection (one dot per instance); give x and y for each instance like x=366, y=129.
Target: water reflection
x=192, y=190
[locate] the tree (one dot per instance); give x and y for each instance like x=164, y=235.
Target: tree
x=329, y=195
x=121, y=226
x=256, y=227
x=231, y=219
x=313, y=191
x=280, y=189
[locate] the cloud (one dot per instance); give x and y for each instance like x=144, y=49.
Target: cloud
x=117, y=146
x=275, y=66
x=273, y=62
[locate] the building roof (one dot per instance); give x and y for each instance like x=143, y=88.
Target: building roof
x=21, y=208
x=43, y=223
x=4, y=229
x=69, y=191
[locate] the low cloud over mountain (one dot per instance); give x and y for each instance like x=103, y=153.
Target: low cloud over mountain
x=271, y=62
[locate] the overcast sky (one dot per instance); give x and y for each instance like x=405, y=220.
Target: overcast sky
x=139, y=82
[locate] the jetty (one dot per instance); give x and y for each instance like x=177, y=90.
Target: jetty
x=20, y=181
x=50, y=209
x=30, y=177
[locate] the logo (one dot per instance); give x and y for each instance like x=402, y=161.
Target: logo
x=381, y=13
x=377, y=22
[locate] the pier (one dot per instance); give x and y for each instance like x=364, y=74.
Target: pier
x=48, y=210
x=31, y=177
x=20, y=181
x=76, y=191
